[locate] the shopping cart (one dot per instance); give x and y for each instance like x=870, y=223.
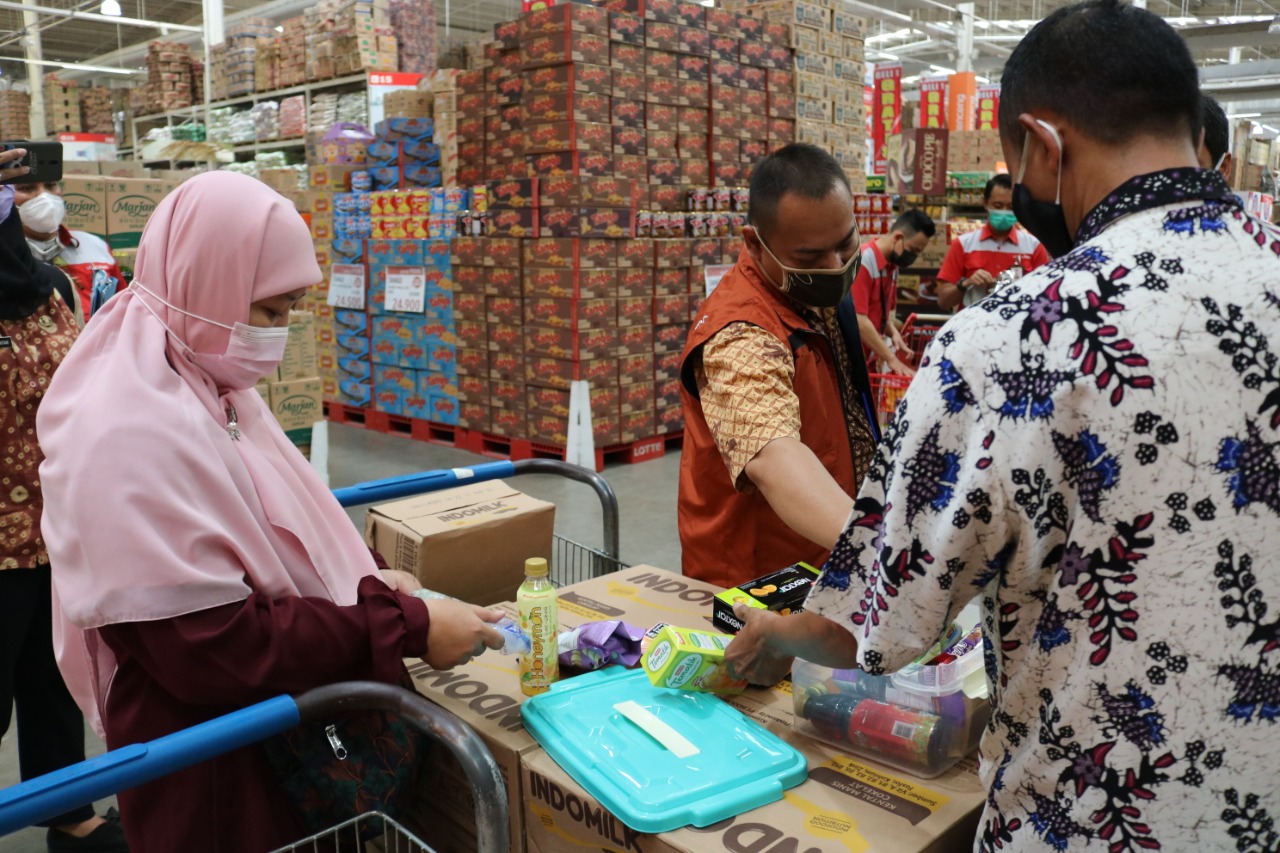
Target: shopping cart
x=570, y=561
x=919, y=331
x=55, y=793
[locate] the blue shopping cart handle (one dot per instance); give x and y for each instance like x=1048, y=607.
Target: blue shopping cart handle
x=63, y=790
x=416, y=484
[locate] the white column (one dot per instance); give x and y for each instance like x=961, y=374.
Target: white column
x=214, y=33
x=35, y=71
x=964, y=37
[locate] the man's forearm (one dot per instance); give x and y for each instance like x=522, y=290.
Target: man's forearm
x=800, y=490
x=949, y=295
x=872, y=339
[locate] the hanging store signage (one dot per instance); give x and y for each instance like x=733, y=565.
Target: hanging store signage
x=933, y=102
x=988, y=106
x=886, y=116
x=962, y=90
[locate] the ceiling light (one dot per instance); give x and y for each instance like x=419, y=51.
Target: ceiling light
x=1245, y=115
x=1274, y=28
x=75, y=66
x=1268, y=128
x=111, y=8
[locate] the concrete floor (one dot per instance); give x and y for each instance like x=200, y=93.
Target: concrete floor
x=646, y=498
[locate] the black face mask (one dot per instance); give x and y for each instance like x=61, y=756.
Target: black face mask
x=1043, y=219
x=816, y=288
x=902, y=260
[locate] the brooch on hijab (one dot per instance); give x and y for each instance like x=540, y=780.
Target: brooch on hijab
x=233, y=428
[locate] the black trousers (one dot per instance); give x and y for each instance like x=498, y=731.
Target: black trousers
x=50, y=725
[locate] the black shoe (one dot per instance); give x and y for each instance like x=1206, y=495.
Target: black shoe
x=107, y=838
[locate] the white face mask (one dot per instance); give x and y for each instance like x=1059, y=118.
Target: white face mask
x=252, y=351
x=44, y=213
x=45, y=250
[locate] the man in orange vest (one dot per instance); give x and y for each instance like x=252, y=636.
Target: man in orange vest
x=778, y=434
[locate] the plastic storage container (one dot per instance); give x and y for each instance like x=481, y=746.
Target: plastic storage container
x=921, y=719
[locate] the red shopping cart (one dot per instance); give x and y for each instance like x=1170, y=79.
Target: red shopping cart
x=919, y=331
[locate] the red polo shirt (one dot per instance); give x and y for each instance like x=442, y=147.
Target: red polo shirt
x=875, y=291
x=983, y=250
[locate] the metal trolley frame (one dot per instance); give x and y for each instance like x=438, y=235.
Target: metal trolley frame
x=54, y=793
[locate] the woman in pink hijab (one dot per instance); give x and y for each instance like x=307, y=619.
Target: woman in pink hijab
x=200, y=564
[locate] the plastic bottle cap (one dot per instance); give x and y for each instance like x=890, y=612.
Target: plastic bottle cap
x=535, y=567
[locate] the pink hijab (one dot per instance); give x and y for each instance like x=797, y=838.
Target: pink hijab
x=151, y=509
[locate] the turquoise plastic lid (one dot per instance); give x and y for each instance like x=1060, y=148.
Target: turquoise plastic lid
x=657, y=758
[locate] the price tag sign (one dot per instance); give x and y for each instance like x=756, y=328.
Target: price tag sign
x=346, y=286
x=407, y=289
x=383, y=82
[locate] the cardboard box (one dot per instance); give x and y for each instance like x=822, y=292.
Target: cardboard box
x=569, y=253
x=574, y=78
x=560, y=373
x=783, y=591
x=570, y=344
x=130, y=203
x=571, y=284
x=300, y=352
x=844, y=805
x=564, y=47
x=86, y=201
x=470, y=542
x=296, y=405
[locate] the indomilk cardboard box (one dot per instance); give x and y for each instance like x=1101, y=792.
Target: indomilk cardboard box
x=486, y=695
x=844, y=805
x=86, y=199
x=470, y=542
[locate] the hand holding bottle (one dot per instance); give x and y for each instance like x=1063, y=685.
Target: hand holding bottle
x=460, y=632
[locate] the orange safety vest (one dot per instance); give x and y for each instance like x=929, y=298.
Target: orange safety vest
x=728, y=537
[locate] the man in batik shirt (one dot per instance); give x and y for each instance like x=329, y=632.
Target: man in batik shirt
x=1093, y=453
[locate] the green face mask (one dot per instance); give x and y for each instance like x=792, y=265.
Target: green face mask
x=1001, y=220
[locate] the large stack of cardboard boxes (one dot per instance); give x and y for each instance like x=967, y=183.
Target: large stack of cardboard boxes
x=96, y=113
x=168, y=85
x=589, y=132
x=15, y=114
x=829, y=69
x=61, y=106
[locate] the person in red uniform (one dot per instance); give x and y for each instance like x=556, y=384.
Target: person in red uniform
x=84, y=257
x=774, y=387
x=974, y=260
x=875, y=289
x=200, y=564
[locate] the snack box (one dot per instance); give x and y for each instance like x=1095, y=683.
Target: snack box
x=783, y=591
x=686, y=659
x=922, y=719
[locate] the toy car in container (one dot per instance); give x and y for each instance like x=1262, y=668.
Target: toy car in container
x=921, y=719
